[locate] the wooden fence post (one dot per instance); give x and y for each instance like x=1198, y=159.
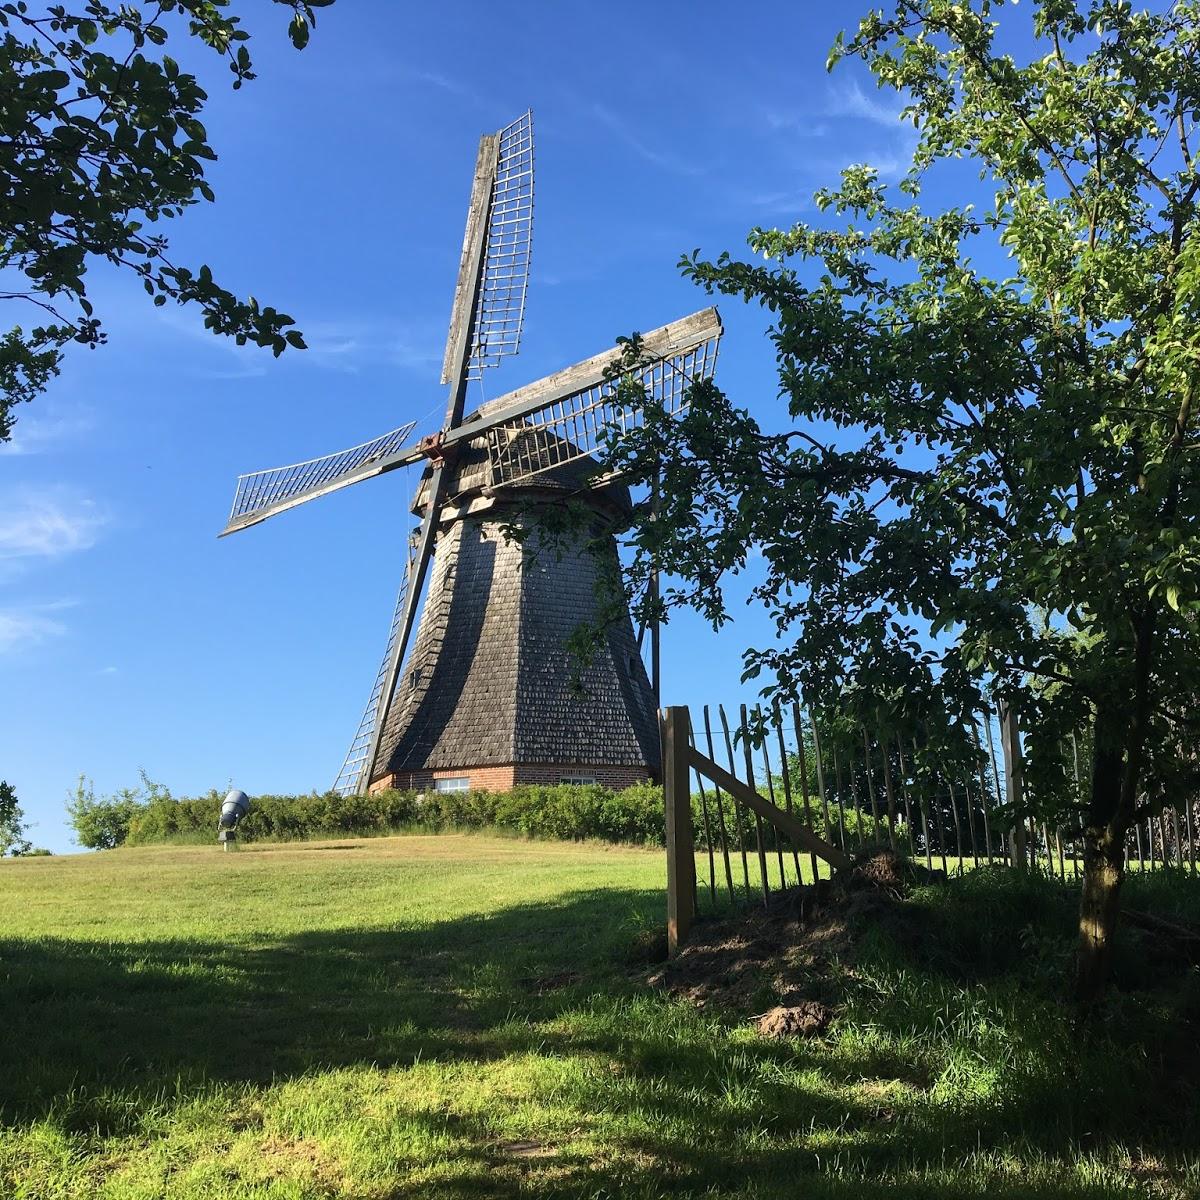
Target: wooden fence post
x=681, y=844
x=1014, y=783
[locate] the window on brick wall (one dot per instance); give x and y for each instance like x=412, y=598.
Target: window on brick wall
x=581, y=779
x=459, y=784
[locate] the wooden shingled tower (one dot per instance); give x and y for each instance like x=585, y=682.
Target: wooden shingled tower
x=489, y=695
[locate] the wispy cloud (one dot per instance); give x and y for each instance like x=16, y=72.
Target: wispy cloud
x=791, y=201
x=452, y=87
x=22, y=628
x=622, y=130
x=47, y=522
x=844, y=100
x=894, y=156
x=847, y=99
x=41, y=432
x=799, y=124
x=345, y=344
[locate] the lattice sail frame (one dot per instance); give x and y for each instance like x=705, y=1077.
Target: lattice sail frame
x=261, y=493
x=500, y=311
x=575, y=426
x=350, y=780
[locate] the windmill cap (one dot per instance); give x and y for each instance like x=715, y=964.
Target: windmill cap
x=532, y=463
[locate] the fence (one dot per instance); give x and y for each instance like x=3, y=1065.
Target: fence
x=796, y=799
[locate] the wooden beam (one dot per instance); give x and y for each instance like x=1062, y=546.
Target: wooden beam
x=665, y=342
x=799, y=833
x=466, y=288
x=681, y=845
x=458, y=346
x=412, y=596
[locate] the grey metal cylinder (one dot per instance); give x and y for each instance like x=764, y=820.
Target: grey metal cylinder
x=233, y=808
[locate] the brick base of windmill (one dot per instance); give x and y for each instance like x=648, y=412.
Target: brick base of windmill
x=505, y=777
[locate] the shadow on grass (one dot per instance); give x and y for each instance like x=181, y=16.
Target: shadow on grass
x=96, y=1034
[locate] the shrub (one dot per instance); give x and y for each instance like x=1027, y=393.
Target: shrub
x=12, y=822
x=101, y=823
x=565, y=811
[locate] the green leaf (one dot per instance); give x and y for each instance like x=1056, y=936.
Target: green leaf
x=298, y=31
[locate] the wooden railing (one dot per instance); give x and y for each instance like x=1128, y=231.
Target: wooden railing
x=680, y=759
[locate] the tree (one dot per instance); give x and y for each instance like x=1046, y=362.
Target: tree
x=12, y=822
x=989, y=479
x=102, y=823
x=100, y=138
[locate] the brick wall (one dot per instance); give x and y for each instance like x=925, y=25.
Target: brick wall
x=610, y=777
x=503, y=778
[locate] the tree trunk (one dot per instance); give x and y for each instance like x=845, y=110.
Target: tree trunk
x=1119, y=738
x=1099, y=904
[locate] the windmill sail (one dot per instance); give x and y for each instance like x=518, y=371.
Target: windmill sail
x=577, y=423
x=500, y=309
x=351, y=780
x=262, y=494
x=499, y=306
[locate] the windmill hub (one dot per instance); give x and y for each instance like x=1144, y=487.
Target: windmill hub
x=489, y=695
x=435, y=449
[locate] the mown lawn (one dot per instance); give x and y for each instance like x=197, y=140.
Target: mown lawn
x=463, y=1016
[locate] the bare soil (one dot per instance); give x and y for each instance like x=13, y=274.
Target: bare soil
x=783, y=953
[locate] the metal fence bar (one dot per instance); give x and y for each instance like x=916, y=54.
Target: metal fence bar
x=737, y=808
x=758, y=821
x=937, y=822
x=889, y=792
x=958, y=833
x=908, y=816
x=737, y=812
x=854, y=795
x=983, y=791
x=771, y=796
x=972, y=832
x=875, y=817
x=1005, y=847
x=719, y=803
x=921, y=805
x=1010, y=744
x=708, y=838
x=820, y=766
x=787, y=792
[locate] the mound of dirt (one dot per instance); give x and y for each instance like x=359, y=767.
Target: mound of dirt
x=781, y=952
x=809, y=1018
x=880, y=869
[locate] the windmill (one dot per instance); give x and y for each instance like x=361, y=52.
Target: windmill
x=470, y=695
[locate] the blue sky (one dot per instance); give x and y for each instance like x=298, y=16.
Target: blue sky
x=130, y=637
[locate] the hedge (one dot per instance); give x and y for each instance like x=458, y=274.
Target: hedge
x=566, y=811
x=570, y=812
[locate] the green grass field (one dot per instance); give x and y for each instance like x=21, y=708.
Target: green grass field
x=464, y=1017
